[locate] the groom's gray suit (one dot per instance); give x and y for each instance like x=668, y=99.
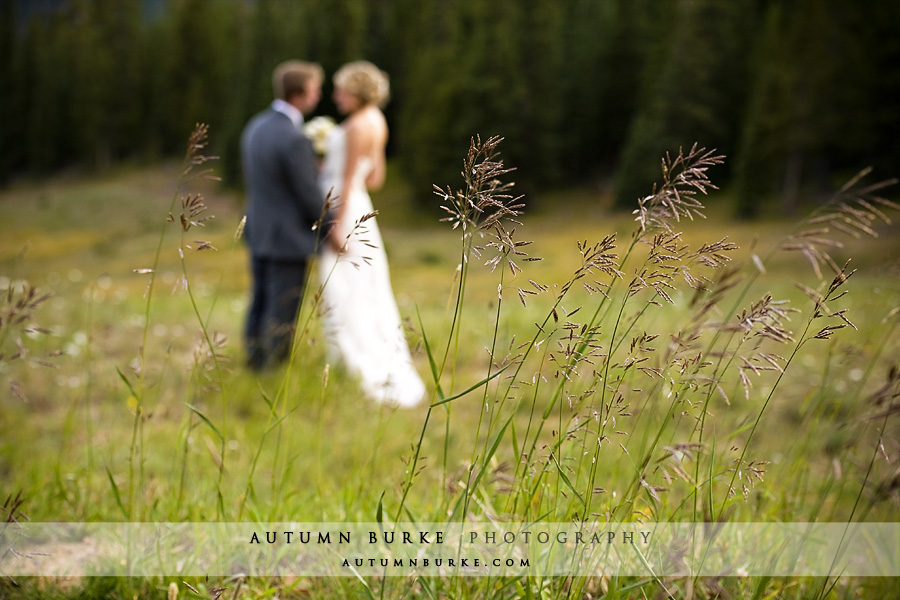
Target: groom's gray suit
x=284, y=196
x=283, y=204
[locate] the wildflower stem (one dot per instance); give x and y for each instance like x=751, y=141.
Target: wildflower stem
x=220, y=375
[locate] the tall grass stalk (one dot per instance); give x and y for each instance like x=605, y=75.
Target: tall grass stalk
x=483, y=205
x=192, y=159
x=192, y=207
x=886, y=395
x=597, y=413
x=596, y=370
x=277, y=405
x=88, y=390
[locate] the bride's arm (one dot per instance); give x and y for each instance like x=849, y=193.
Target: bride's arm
x=379, y=131
x=376, y=176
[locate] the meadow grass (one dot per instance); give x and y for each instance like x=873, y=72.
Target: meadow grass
x=667, y=365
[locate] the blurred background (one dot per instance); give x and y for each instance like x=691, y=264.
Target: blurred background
x=799, y=94
x=134, y=401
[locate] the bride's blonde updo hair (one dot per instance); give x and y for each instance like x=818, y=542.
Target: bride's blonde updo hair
x=365, y=81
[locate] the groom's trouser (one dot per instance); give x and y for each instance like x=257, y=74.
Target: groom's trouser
x=277, y=291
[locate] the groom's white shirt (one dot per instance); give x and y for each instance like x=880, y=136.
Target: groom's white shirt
x=289, y=111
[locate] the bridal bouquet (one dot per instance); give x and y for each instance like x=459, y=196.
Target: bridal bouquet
x=317, y=130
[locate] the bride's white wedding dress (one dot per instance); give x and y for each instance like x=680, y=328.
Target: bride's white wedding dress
x=361, y=321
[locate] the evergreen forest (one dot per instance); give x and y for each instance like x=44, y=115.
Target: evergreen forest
x=797, y=94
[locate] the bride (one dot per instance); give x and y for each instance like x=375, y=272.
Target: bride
x=361, y=320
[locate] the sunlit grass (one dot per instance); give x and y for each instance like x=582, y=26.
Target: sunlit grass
x=297, y=444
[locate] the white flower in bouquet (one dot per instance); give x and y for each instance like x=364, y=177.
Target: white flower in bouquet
x=317, y=130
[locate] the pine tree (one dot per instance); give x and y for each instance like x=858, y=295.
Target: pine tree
x=606, y=52
x=104, y=113
x=799, y=113
x=428, y=89
x=869, y=84
x=251, y=85
x=693, y=92
x=11, y=104
x=543, y=114
x=157, y=98
x=202, y=72
x=339, y=35
x=761, y=152
x=47, y=93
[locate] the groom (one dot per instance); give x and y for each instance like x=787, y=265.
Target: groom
x=283, y=204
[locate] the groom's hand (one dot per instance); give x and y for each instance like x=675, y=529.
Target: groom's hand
x=335, y=241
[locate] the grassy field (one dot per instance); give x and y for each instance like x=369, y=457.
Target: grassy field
x=626, y=394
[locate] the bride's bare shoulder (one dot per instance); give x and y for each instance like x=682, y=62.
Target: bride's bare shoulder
x=367, y=125
x=377, y=122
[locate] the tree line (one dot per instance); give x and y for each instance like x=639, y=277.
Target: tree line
x=796, y=93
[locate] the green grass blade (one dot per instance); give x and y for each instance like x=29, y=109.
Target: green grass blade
x=426, y=586
x=127, y=383
x=205, y=420
x=116, y=494
x=364, y=583
x=565, y=480
x=428, y=352
x=471, y=389
x=379, y=512
x=275, y=424
x=485, y=460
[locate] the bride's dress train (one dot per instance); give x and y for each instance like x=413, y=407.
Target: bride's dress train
x=361, y=321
